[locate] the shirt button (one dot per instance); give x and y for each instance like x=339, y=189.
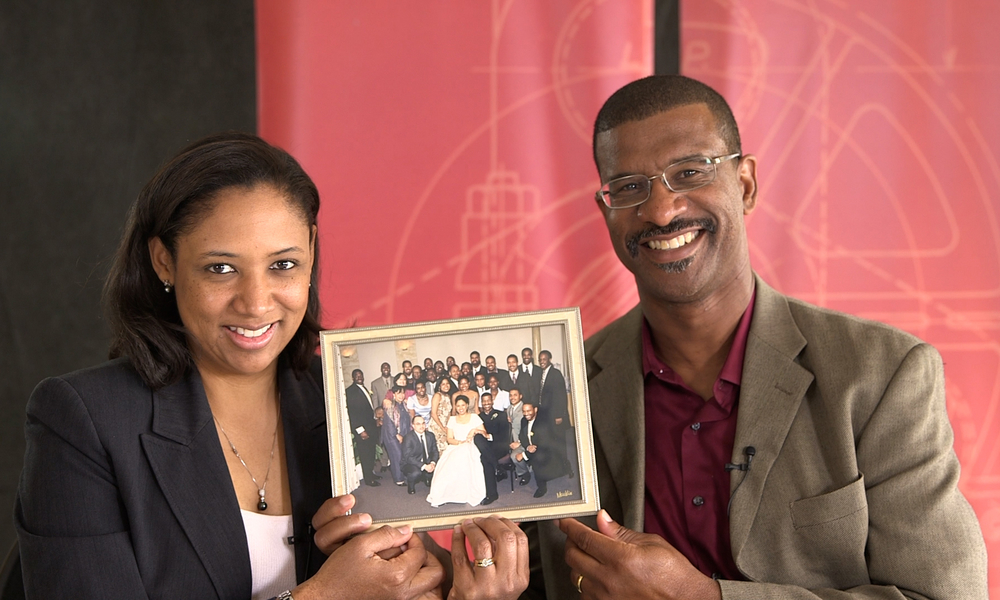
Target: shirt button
x=697, y=501
x=696, y=426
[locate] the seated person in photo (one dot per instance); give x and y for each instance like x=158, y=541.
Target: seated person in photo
x=515, y=416
x=395, y=425
x=539, y=439
x=459, y=473
x=492, y=445
x=420, y=454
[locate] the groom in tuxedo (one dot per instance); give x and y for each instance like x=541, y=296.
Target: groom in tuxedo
x=420, y=454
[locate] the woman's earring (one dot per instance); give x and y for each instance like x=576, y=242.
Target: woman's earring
x=167, y=286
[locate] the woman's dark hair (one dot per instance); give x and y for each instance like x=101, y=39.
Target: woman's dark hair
x=145, y=325
x=466, y=378
x=450, y=387
x=460, y=398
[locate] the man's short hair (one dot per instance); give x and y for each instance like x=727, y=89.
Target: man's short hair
x=355, y=372
x=652, y=95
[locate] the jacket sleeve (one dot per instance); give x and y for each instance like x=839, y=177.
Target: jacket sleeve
x=923, y=539
x=73, y=536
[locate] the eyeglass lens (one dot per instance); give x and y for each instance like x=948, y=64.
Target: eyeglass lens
x=680, y=177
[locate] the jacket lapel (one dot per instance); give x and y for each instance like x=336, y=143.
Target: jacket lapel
x=772, y=388
x=185, y=455
x=619, y=427
x=308, y=459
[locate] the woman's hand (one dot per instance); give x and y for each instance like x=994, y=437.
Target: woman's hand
x=334, y=526
x=356, y=569
x=499, y=540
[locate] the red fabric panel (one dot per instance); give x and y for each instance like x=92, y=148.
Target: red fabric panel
x=878, y=135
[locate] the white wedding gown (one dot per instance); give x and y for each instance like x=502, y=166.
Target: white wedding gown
x=458, y=476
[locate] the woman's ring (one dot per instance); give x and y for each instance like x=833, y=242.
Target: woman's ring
x=579, y=580
x=484, y=562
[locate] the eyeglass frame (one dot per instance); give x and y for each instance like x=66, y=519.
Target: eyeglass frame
x=715, y=161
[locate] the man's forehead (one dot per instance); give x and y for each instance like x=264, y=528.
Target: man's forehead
x=657, y=141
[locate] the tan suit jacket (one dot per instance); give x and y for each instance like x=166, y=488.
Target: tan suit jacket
x=854, y=483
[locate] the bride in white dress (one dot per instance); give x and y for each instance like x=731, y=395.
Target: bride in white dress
x=458, y=476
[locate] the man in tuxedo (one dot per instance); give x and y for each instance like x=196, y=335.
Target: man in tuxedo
x=493, y=445
x=430, y=381
x=362, y=418
x=515, y=416
x=529, y=378
x=491, y=367
x=539, y=442
x=408, y=370
x=382, y=385
x=552, y=403
x=481, y=387
x=508, y=378
x=420, y=454
x=475, y=364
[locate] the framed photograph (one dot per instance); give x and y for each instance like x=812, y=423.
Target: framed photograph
x=431, y=423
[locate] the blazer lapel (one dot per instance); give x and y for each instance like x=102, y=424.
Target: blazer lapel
x=187, y=460
x=772, y=388
x=307, y=456
x=619, y=427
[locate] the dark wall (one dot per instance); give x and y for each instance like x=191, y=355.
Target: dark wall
x=94, y=95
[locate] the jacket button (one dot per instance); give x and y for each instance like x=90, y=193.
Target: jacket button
x=696, y=426
x=697, y=501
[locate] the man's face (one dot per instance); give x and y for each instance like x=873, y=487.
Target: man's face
x=491, y=364
x=706, y=225
x=526, y=356
x=432, y=376
x=417, y=372
x=439, y=368
x=474, y=359
x=386, y=369
x=428, y=364
x=454, y=372
x=420, y=388
x=379, y=413
x=449, y=362
x=466, y=368
x=515, y=396
x=511, y=363
x=487, y=402
x=480, y=380
x=529, y=412
x=407, y=367
x=418, y=424
x=543, y=360
x=358, y=377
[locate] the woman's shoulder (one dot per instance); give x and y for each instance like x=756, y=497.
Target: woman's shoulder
x=112, y=379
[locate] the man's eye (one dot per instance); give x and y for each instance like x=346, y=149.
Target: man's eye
x=221, y=269
x=283, y=265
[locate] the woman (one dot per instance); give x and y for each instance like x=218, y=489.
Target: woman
x=399, y=381
x=195, y=464
x=441, y=410
x=419, y=403
x=395, y=426
x=458, y=476
x=470, y=394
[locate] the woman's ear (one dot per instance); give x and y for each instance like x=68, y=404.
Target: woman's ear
x=163, y=262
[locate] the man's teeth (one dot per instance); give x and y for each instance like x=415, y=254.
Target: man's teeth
x=670, y=244
x=251, y=333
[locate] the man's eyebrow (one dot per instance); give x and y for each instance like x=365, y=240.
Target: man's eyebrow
x=675, y=161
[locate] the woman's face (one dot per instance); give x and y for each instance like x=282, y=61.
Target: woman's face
x=241, y=280
x=463, y=385
x=461, y=407
x=445, y=386
x=401, y=380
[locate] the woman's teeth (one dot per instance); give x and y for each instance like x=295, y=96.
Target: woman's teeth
x=251, y=333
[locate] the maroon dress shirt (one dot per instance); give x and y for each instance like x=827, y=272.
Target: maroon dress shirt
x=688, y=442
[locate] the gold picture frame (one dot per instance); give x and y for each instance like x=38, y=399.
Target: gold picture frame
x=365, y=349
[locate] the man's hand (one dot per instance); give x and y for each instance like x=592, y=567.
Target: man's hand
x=617, y=563
x=364, y=435
x=559, y=421
x=532, y=449
x=334, y=526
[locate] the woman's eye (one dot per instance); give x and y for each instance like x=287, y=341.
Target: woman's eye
x=221, y=269
x=283, y=265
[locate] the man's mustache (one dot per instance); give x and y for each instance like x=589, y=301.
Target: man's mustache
x=635, y=240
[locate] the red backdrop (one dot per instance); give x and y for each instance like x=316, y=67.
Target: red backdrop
x=451, y=145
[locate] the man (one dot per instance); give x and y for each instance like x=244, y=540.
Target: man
x=454, y=372
x=420, y=454
x=408, y=370
x=508, y=378
x=475, y=365
x=467, y=370
x=431, y=381
x=449, y=362
x=382, y=385
x=491, y=367
x=501, y=399
x=362, y=418
x=481, y=386
x=428, y=364
x=515, y=416
x=553, y=404
x=529, y=377
x=417, y=375
x=841, y=472
x=440, y=369
x=492, y=446
x=539, y=442
x=381, y=456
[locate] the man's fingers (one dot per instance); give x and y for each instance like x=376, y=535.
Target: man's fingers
x=601, y=547
x=384, y=538
x=331, y=509
x=338, y=530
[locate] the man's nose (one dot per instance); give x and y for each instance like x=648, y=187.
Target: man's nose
x=663, y=203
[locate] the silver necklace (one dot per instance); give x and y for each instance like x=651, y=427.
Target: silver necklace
x=261, y=504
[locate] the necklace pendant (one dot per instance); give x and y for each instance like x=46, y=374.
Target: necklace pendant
x=262, y=505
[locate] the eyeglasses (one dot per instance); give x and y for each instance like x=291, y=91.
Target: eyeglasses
x=683, y=176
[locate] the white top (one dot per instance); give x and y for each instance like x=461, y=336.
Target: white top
x=272, y=558
x=420, y=409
